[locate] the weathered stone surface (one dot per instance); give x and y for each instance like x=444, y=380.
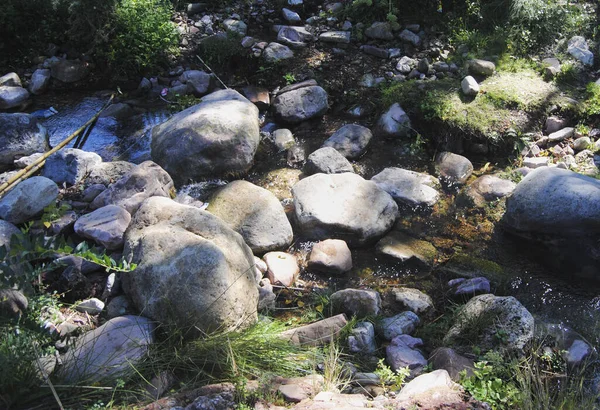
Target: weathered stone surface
x=219, y=136
x=408, y=250
x=327, y=160
x=107, y=173
x=487, y=188
x=434, y=390
x=70, y=165
x=356, y=302
x=409, y=188
x=362, y=338
x=351, y=140
x=236, y=27
x=394, y=123
x=449, y=360
x=453, y=169
x=402, y=352
x=105, y=225
x=401, y=324
x=20, y=135
x=318, y=333
x=485, y=317
x=413, y=300
x=380, y=30
x=561, y=134
x=343, y=206
x=470, y=287
x=469, y=86
x=282, y=268
x=193, y=271
x=69, y=71
x=335, y=37
x=294, y=36
x=28, y=199
x=142, y=182
x=301, y=104
x=11, y=80
x=11, y=97
x=91, y=306
x=7, y=230
x=276, y=52
x=481, y=67
x=283, y=139
x=410, y=37
x=108, y=352
x=579, y=48
x=330, y=256
x=254, y=213
x=297, y=389
x=39, y=81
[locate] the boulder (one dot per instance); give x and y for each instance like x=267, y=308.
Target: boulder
x=380, y=30
x=142, y=182
x=402, y=352
x=276, y=52
x=330, y=256
x=70, y=165
x=217, y=137
x=194, y=272
x=300, y=104
x=290, y=16
x=326, y=160
x=109, y=352
x=469, y=287
x=351, y=140
x=492, y=323
x=394, y=123
x=254, y=213
x=91, y=306
x=39, y=81
x=413, y=300
x=362, y=338
x=356, y=302
x=469, y=86
x=561, y=134
x=401, y=324
x=198, y=82
x=107, y=173
x=408, y=188
x=69, y=71
x=578, y=47
x=294, y=36
x=481, y=67
x=316, y=334
x=236, y=27
x=282, y=268
x=283, y=139
x=453, y=169
x=409, y=37
x=20, y=135
x=13, y=303
x=343, y=206
x=435, y=390
x=105, y=226
x=487, y=188
x=11, y=97
x=28, y=199
x=411, y=252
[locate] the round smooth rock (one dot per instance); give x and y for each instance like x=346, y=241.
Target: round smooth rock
x=330, y=256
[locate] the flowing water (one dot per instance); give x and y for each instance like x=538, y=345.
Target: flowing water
x=554, y=297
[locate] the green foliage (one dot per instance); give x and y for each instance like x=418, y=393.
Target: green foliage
x=289, y=78
x=591, y=105
x=181, y=102
x=144, y=36
x=390, y=379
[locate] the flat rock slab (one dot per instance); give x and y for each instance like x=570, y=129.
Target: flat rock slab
x=316, y=334
x=409, y=188
x=106, y=226
x=413, y=300
x=327, y=160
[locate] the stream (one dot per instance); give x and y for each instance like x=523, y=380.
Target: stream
x=553, y=297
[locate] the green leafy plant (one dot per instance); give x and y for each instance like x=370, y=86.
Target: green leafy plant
x=289, y=78
x=389, y=379
x=487, y=385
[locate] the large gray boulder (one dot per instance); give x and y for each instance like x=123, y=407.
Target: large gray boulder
x=300, y=102
x=343, y=206
x=351, y=140
x=28, y=199
x=408, y=188
x=11, y=97
x=217, y=137
x=20, y=135
x=194, y=272
x=70, y=165
x=554, y=201
x=254, y=213
x=143, y=181
x=109, y=352
x=492, y=323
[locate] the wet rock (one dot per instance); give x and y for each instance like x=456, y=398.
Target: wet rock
x=330, y=256
x=213, y=285
x=470, y=287
x=70, y=165
x=105, y=226
x=69, y=71
x=481, y=67
x=299, y=104
x=453, y=169
x=258, y=96
x=118, y=111
x=343, y=206
x=394, y=123
x=318, y=333
x=276, y=52
x=254, y=213
x=11, y=97
x=449, y=360
x=492, y=322
x=296, y=156
x=236, y=27
x=283, y=139
x=411, y=252
x=487, y=188
x=402, y=352
x=362, y=338
x=28, y=199
x=24, y=162
x=39, y=81
x=91, y=306
x=282, y=268
x=20, y=135
x=13, y=304
x=409, y=188
x=401, y=324
x=335, y=37
x=108, y=352
x=413, y=300
x=469, y=86
x=143, y=181
x=380, y=31
x=327, y=160
x=218, y=136
x=410, y=37
x=356, y=302
x=351, y=140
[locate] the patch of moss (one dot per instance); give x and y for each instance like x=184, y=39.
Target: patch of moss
x=472, y=266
